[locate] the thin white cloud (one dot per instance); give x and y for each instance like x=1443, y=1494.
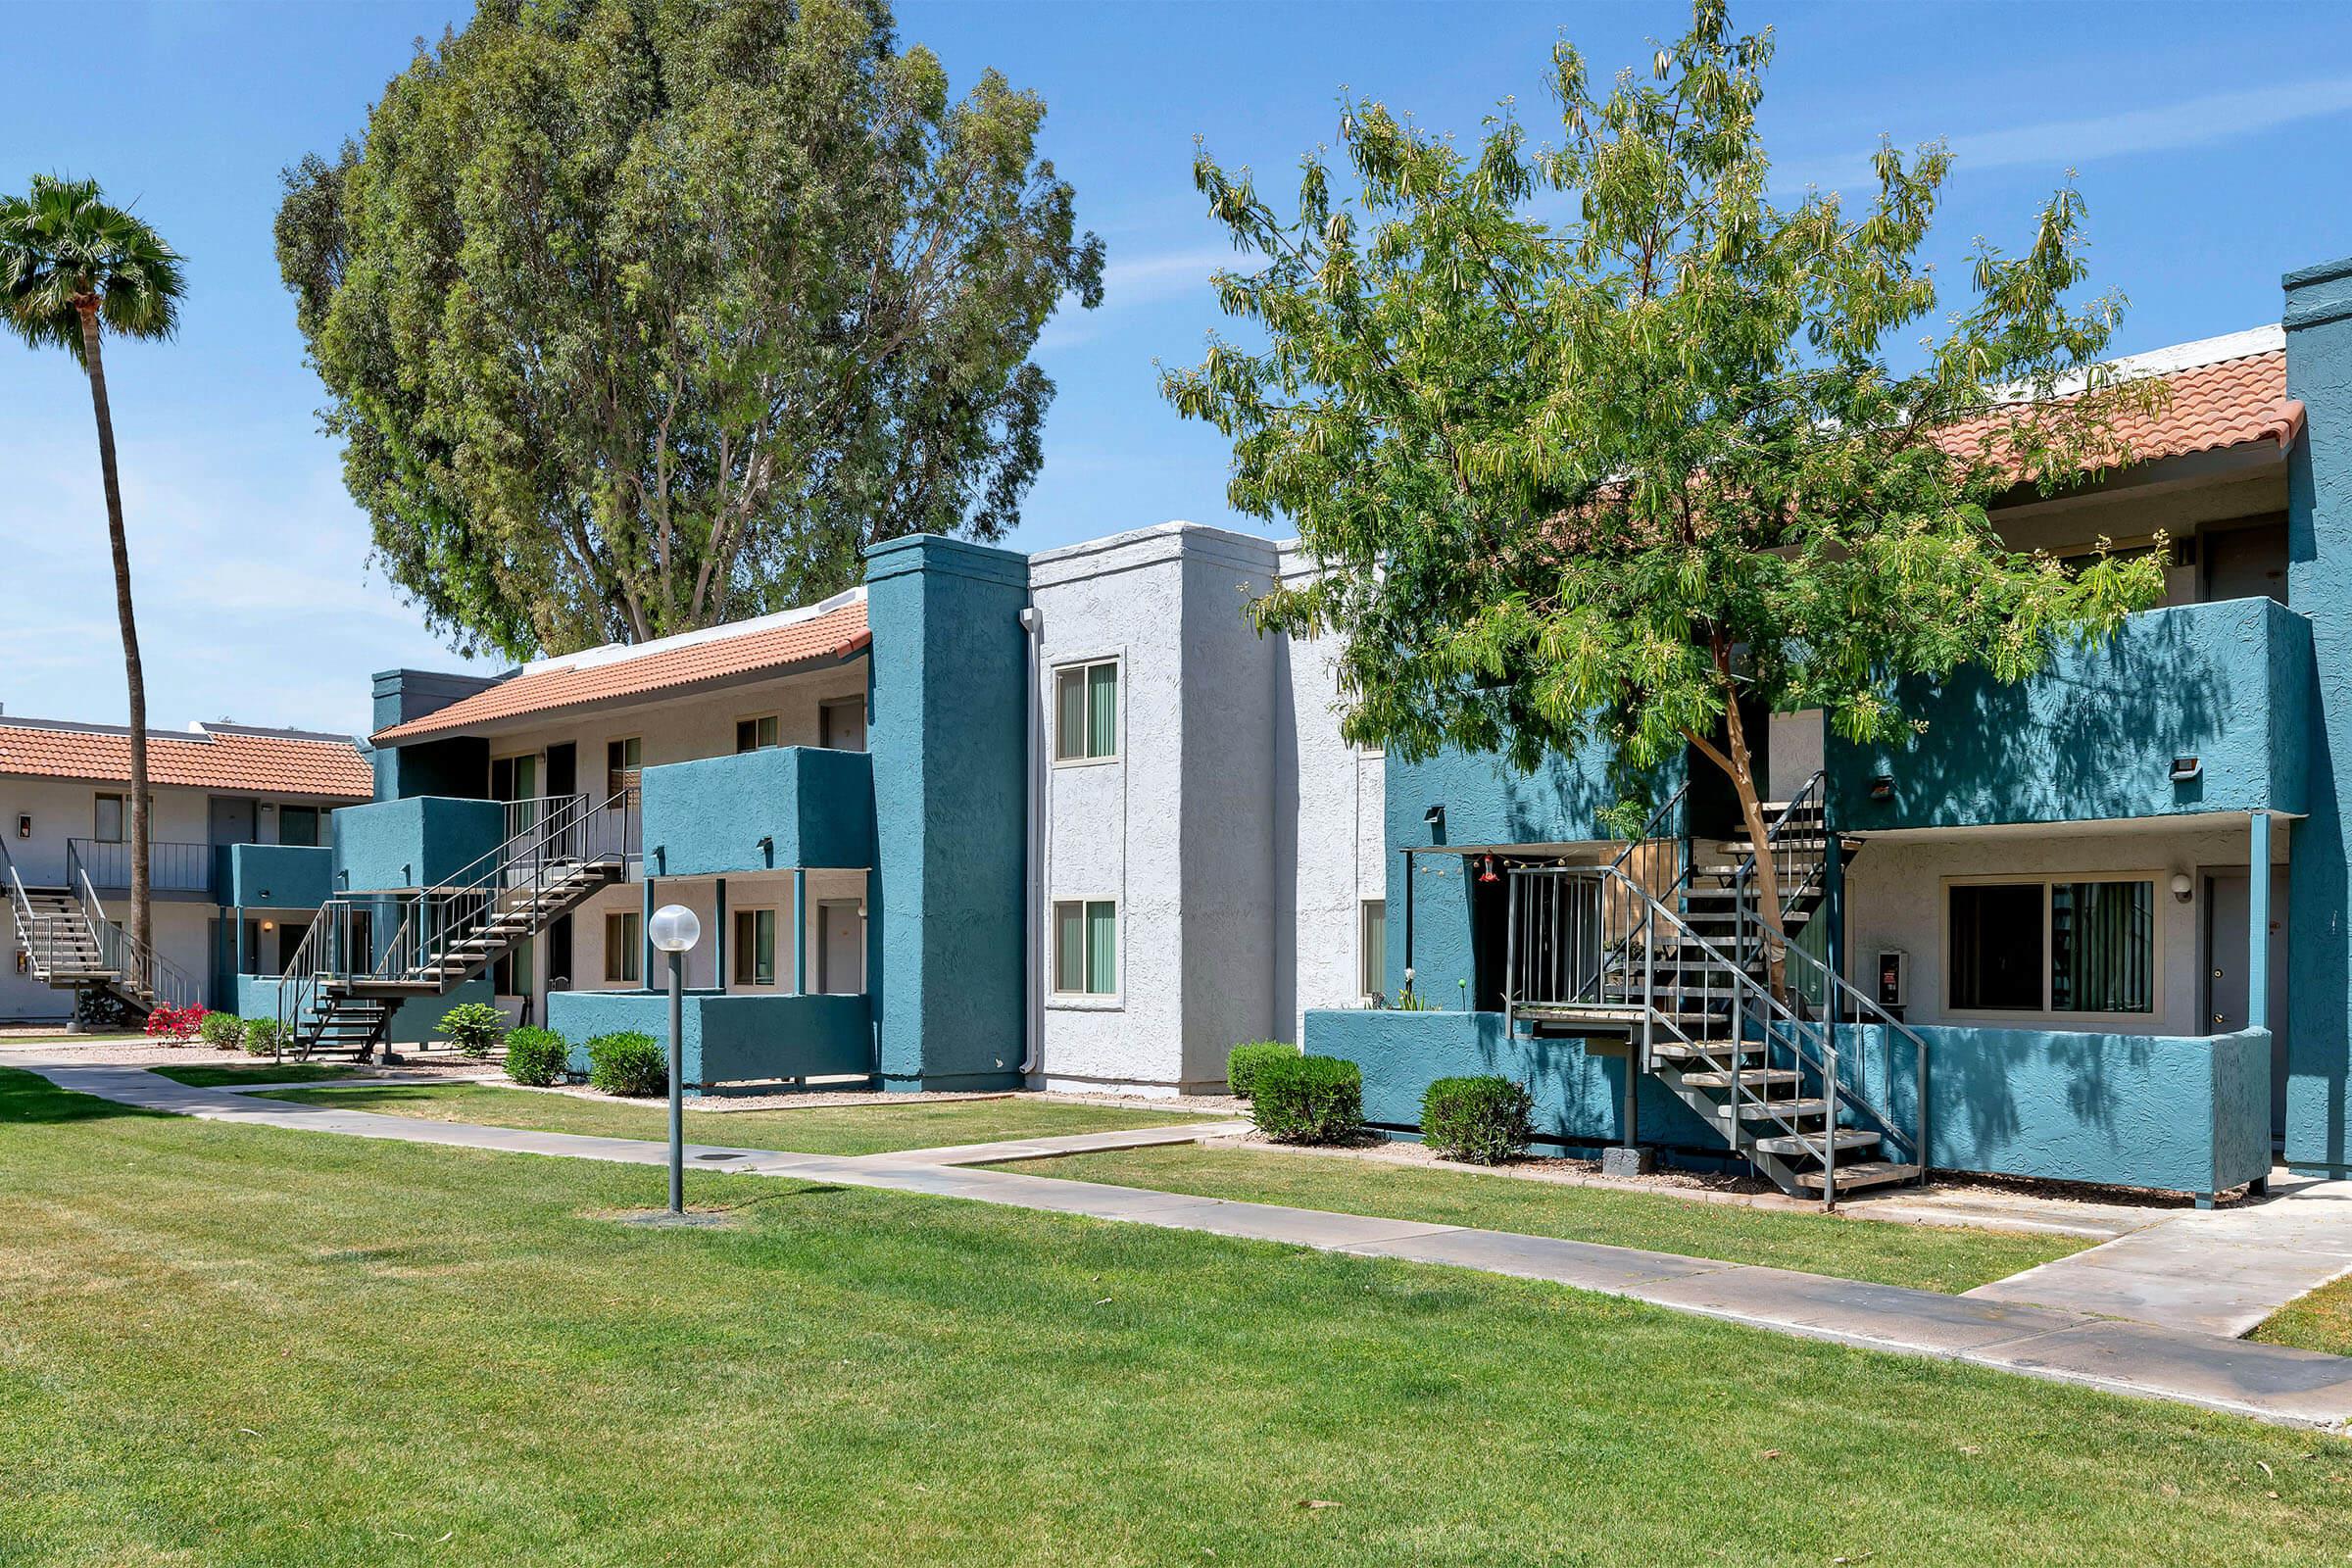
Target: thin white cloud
x=2066, y=143
x=1145, y=280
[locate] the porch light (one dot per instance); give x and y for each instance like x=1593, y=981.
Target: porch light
x=23, y=824
x=2185, y=769
x=1882, y=786
x=1435, y=816
x=269, y=925
x=2182, y=886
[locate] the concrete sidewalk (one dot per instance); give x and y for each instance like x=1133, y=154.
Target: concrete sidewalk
x=2071, y=1345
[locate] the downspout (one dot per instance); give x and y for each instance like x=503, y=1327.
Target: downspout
x=1033, y=996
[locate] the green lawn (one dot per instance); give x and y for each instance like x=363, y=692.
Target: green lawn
x=876, y=1129
x=1927, y=1257
x=2318, y=1321
x=227, y=1343
x=213, y=1075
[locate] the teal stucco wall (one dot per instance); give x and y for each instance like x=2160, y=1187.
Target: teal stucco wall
x=272, y=876
x=1579, y=1096
x=421, y=842
x=2092, y=735
x=415, y=1023
x=949, y=738
x=457, y=766
x=2319, y=583
x=728, y=1039
x=706, y=817
x=2187, y=1114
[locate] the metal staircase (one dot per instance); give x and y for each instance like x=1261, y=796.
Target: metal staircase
x=367, y=952
x=1667, y=947
x=69, y=944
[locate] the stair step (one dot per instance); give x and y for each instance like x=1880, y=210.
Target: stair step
x=1812, y=1145
x=1779, y=1110
x=1757, y=1078
x=1860, y=1174
x=1713, y=1052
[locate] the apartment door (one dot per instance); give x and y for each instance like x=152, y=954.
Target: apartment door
x=840, y=947
x=232, y=819
x=2225, y=977
x=559, y=954
x=842, y=724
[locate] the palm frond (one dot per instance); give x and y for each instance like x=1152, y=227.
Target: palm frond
x=62, y=246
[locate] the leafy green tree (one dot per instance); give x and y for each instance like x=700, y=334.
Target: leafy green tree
x=636, y=316
x=1594, y=442
x=73, y=270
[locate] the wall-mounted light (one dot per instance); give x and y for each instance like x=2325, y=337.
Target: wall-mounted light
x=2185, y=769
x=1435, y=816
x=269, y=925
x=23, y=824
x=2182, y=887
x=1882, y=786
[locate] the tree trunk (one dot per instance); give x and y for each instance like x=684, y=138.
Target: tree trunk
x=133, y=677
x=1734, y=759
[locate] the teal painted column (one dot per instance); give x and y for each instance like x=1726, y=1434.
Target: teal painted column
x=948, y=694
x=2258, y=922
x=2319, y=585
x=800, y=931
x=645, y=938
x=719, y=946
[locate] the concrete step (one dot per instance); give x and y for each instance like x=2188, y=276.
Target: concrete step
x=1859, y=1175
x=1759, y=1078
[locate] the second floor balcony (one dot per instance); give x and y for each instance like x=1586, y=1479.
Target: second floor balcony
x=2202, y=708
x=788, y=806
x=175, y=870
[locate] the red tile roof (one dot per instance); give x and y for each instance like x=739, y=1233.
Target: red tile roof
x=217, y=760
x=2229, y=403
x=559, y=685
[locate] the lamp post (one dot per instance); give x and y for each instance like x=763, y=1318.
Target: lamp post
x=674, y=930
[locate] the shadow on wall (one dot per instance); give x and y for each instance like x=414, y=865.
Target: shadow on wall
x=2092, y=735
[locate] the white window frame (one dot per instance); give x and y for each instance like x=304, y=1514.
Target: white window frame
x=771, y=716
x=1118, y=943
x=634, y=776
x=2160, y=895
x=1119, y=695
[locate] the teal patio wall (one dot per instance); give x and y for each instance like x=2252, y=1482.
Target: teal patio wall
x=415, y=1023
x=2318, y=582
x=728, y=1039
x=815, y=808
x=2091, y=737
x=1487, y=800
x=272, y=876
x=420, y=842
x=457, y=766
x=948, y=736
x=1578, y=1095
x=2188, y=1113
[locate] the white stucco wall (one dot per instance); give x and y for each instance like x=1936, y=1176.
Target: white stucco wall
x=1234, y=829
x=1896, y=889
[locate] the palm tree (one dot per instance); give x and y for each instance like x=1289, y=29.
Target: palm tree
x=72, y=268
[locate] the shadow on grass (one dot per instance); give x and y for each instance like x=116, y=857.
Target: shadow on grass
x=26, y=1099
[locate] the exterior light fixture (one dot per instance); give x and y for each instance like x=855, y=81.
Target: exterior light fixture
x=2182, y=886
x=1435, y=816
x=2186, y=769
x=23, y=824
x=674, y=929
x=1882, y=786
x=269, y=925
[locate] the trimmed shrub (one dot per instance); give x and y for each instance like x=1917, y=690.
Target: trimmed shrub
x=630, y=1063
x=473, y=1027
x=261, y=1037
x=541, y=1056
x=1484, y=1120
x=222, y=1031
x=1307, y=1099
x=1242, y=1063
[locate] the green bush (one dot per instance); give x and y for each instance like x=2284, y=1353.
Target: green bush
x=630, y=1063
x=1484, y=1120
x=1307, y=1099
x=1242, y=1063
x=222, y=1031
x=261, y=1037
x=473, y=1027
x=539, y=1057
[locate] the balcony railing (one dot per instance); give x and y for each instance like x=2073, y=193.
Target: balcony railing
x=171, y=867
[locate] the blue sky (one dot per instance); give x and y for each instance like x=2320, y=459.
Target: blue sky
x=2207, y=140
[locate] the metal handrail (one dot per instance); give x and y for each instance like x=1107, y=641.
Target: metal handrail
x=137, y=962
x=182, y=867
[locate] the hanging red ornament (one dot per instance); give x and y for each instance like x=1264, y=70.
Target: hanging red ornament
x=1488, y=875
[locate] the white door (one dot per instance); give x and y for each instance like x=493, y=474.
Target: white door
x=840, y=947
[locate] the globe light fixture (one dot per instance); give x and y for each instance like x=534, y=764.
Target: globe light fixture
x=674, y=928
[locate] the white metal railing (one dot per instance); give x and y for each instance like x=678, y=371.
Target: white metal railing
x=146, y=972
x=172, y=867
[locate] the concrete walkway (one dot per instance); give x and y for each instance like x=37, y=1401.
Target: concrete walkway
x=2221, y=1271
x=2069, y=1346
